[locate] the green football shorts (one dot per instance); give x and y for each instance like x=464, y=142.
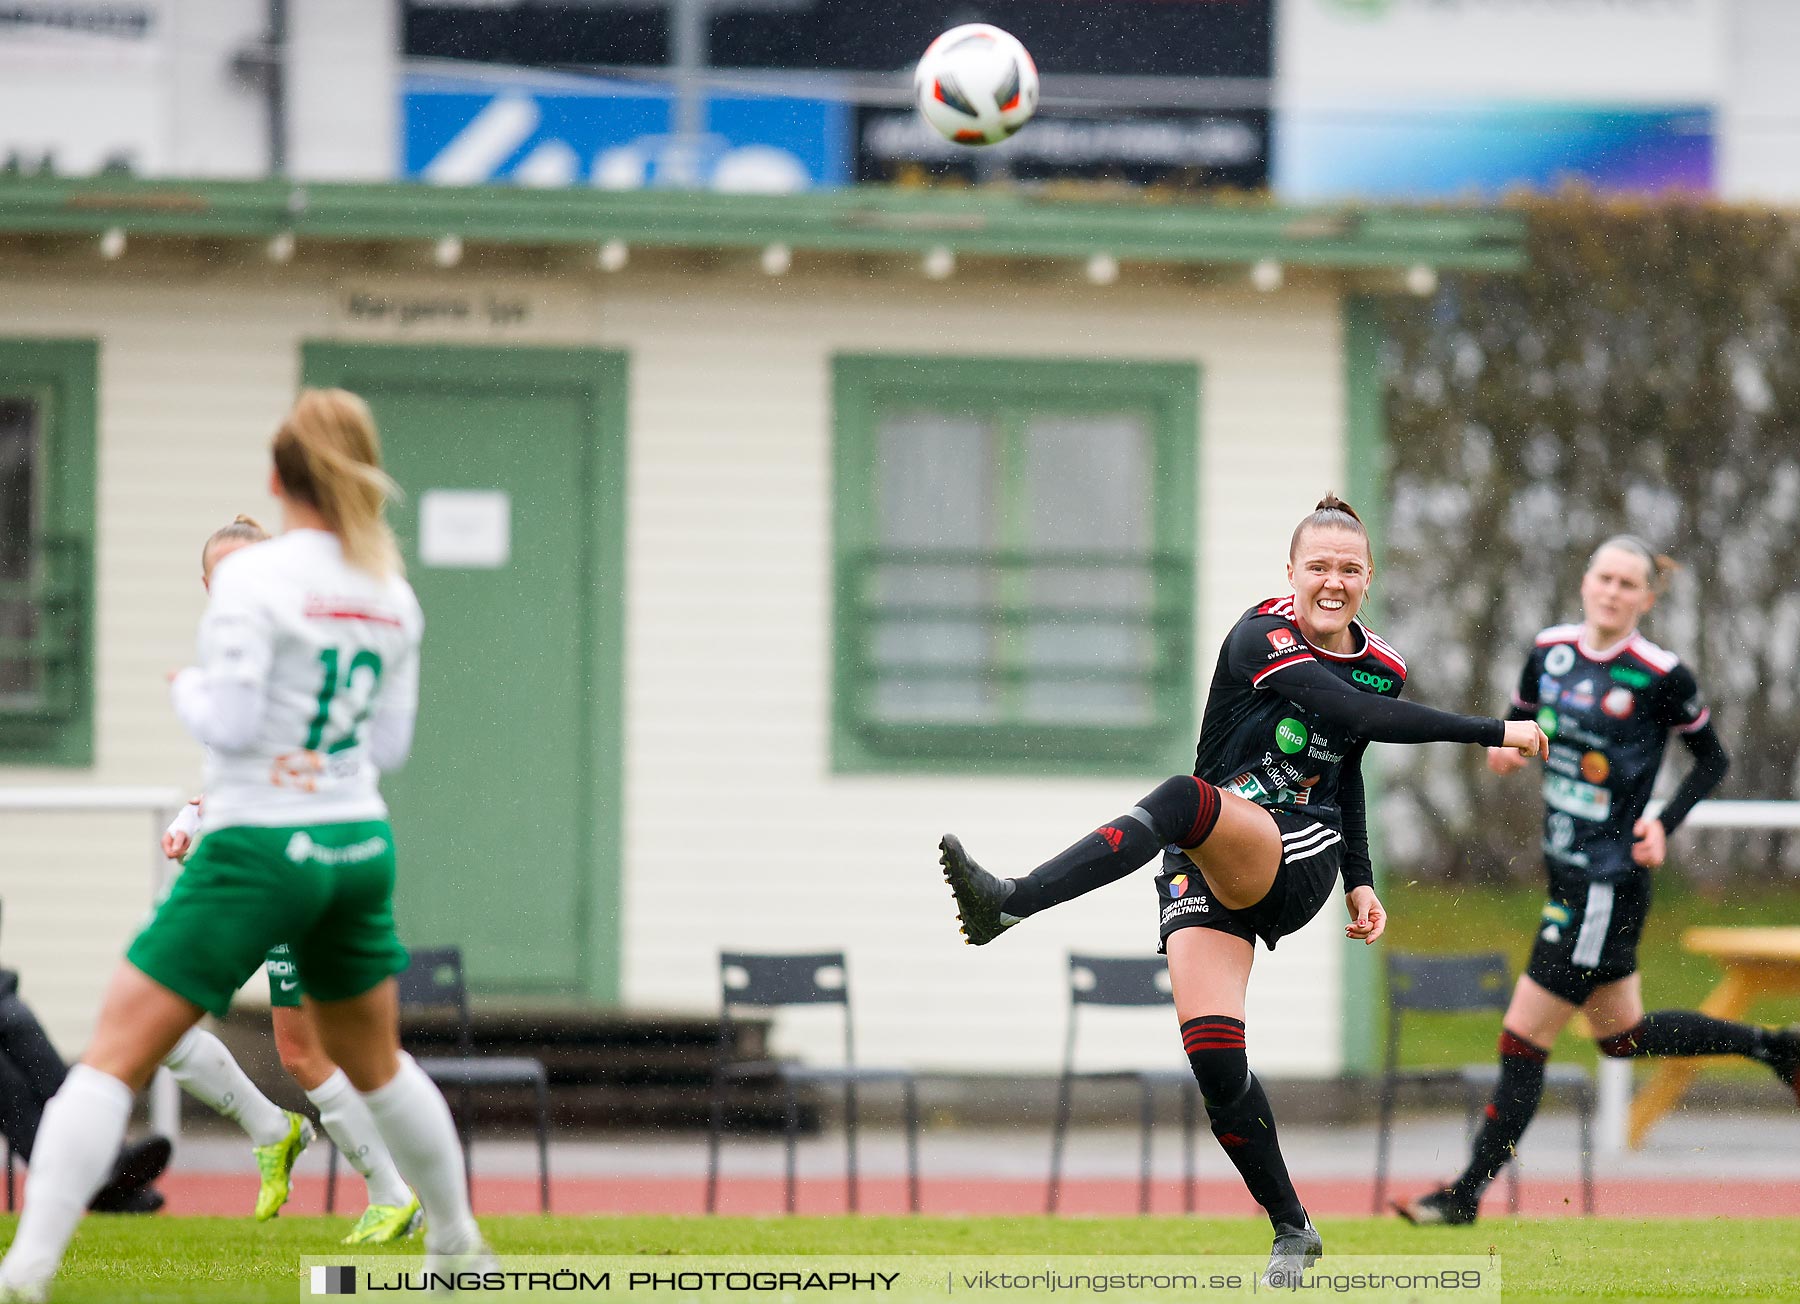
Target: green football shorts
x=326, y=890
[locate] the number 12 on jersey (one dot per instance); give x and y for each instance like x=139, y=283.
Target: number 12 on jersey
x=357, y=691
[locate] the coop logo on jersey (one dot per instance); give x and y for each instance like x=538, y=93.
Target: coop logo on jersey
x=1290, y=736
x=1634, y=678
x=1377, y=682
x=1618, y=703
x=1559, y=659
x=1178, y=886
x=1283, y=640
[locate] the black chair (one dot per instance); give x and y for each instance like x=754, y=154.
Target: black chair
x=1456, y=984
x=434, y=980
x=1120, y=981
x=767, y=983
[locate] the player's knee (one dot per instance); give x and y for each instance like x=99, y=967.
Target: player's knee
x=1513, y=1046
x=1215, y=1050
x=1621, y=1045
x=1183, y=810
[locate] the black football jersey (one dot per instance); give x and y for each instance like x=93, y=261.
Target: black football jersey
x=1256, y=743
x=1608, y=715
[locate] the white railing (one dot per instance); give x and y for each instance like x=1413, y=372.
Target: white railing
x=159, y=806
x=1613, y=1106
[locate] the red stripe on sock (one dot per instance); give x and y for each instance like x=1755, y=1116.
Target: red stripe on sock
x=1213, y=1032
x=1207, y=816
x=1621, y=1045
x=1514, y=1046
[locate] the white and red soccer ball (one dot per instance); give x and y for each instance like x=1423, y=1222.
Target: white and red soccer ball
x=976, y=85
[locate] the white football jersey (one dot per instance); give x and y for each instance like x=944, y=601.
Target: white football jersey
x=330, y=644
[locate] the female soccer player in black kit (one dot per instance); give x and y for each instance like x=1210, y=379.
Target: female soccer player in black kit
x=1608, y=698
x=1254, y=840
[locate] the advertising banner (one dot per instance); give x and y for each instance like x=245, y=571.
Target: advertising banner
x=547, y=130
x=1176, y=148
x=1422, y=99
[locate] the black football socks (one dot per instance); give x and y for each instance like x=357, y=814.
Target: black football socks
x=1181, y=812
x=1515, y=1101
x=1240, y=1114
x=1688, y=1032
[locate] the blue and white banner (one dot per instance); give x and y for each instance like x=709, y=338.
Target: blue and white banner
x=539, y=129
x=1461, y=99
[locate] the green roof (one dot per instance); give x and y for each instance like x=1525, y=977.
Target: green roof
x=857, y=220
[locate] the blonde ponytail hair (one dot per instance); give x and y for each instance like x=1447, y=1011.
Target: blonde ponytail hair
x=328, y=456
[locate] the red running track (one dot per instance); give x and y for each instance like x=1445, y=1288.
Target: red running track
x=231, y=1194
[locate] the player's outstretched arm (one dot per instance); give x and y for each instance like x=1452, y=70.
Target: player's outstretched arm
x=1380, y=719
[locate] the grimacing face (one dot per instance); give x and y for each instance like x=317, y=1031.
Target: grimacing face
x=1616, y=592
x=1330, y=572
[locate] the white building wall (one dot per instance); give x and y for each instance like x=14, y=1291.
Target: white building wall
x=164, y=96
x=729, y=655
x=343, y=91
x=737, y=832
x=1759, y=131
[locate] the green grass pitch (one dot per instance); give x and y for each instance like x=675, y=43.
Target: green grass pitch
x=214, y=1260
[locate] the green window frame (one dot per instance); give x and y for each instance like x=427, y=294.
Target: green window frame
x=46, y=579
x=1040, y=637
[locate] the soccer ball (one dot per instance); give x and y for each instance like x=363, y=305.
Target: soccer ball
x=976, y=85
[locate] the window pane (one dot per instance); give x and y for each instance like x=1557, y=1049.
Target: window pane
x=1013, y=581
x=935, y=495
x=1087, y=490
x=20, y=433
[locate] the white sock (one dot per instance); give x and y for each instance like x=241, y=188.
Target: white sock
x=416, y=1124
x=348, y=1124
x=77, y=1142
x=206, y=1071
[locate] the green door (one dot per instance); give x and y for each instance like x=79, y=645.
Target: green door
x=511, y=462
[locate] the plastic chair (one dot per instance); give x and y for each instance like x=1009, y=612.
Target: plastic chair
x=749, y=981
x=1455, y=984
x=1118, y=982
x=434, y=980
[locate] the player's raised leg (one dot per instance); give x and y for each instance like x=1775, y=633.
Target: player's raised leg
x=1622, y=1030
x=1181, y=811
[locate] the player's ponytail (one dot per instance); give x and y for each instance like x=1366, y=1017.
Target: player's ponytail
x=1659, y=568
x=1330, y=513
x=328, y=456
